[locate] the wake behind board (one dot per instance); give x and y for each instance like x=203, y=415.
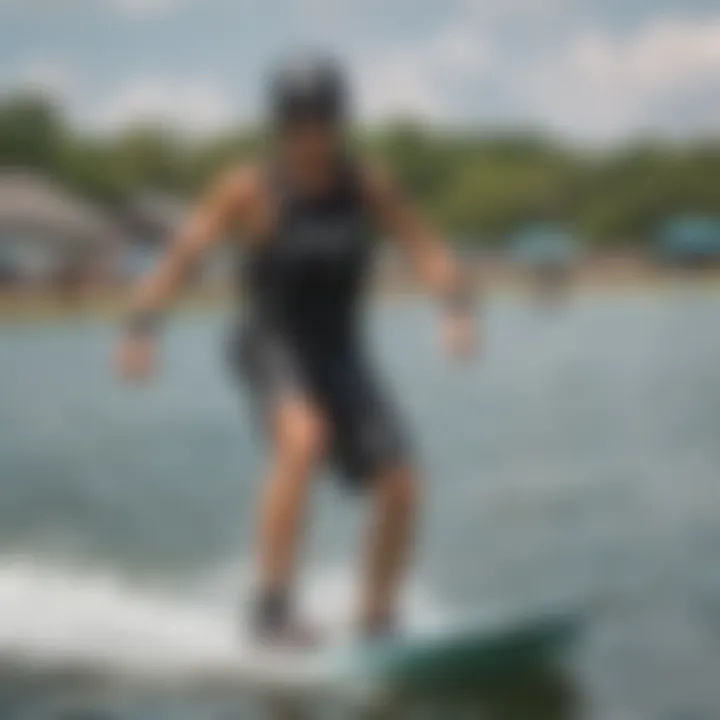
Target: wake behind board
x=468, y=652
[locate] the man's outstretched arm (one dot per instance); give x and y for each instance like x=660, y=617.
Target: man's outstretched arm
x=428, y=254
x=207, y=224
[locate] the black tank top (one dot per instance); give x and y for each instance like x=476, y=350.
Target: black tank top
x=305, y=280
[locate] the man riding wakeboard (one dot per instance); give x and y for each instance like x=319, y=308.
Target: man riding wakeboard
x=309, y=217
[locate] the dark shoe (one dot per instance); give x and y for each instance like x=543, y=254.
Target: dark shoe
x=290, y=635
x=381, y=628
x=273, y=624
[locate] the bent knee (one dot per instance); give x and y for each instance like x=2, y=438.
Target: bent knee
x=300, y=433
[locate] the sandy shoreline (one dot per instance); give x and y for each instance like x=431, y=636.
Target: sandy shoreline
x=108, y=303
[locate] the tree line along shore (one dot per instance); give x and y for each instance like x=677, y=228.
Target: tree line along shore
x=477, y=184
x=77, y=207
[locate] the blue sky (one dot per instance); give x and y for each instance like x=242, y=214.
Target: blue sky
x=596, y=70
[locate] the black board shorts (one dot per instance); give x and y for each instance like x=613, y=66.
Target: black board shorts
x=366, y=436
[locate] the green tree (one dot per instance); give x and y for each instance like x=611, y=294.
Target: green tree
x=31, y=132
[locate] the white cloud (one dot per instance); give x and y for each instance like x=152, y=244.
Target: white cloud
x=397, y=84
x=607, y=86
x=144, y=7
x=491, y=11
x=412, y=80
x=591, y=83
x=44, y=75
x=663, y=57
x=458, y=48
x=194, y=106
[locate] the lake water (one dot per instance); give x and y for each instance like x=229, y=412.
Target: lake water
x=576, y=461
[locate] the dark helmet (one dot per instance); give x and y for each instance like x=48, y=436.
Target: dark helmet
x=307, y=87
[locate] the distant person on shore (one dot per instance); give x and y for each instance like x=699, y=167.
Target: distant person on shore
x=548, y=257
x=309, y=216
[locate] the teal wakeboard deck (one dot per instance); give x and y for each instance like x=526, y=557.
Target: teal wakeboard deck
x=468, y=652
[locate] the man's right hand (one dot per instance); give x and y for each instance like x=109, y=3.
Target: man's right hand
x=135, y=357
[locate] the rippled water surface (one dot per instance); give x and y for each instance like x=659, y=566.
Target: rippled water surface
x=576, y=461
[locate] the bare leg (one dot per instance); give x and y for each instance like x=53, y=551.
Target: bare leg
x=298, y=443
x=394, y=499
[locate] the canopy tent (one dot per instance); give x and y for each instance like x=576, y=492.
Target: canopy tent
x=689, y=240
x=544, y=246
x=31, y=205
x=48, y=233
